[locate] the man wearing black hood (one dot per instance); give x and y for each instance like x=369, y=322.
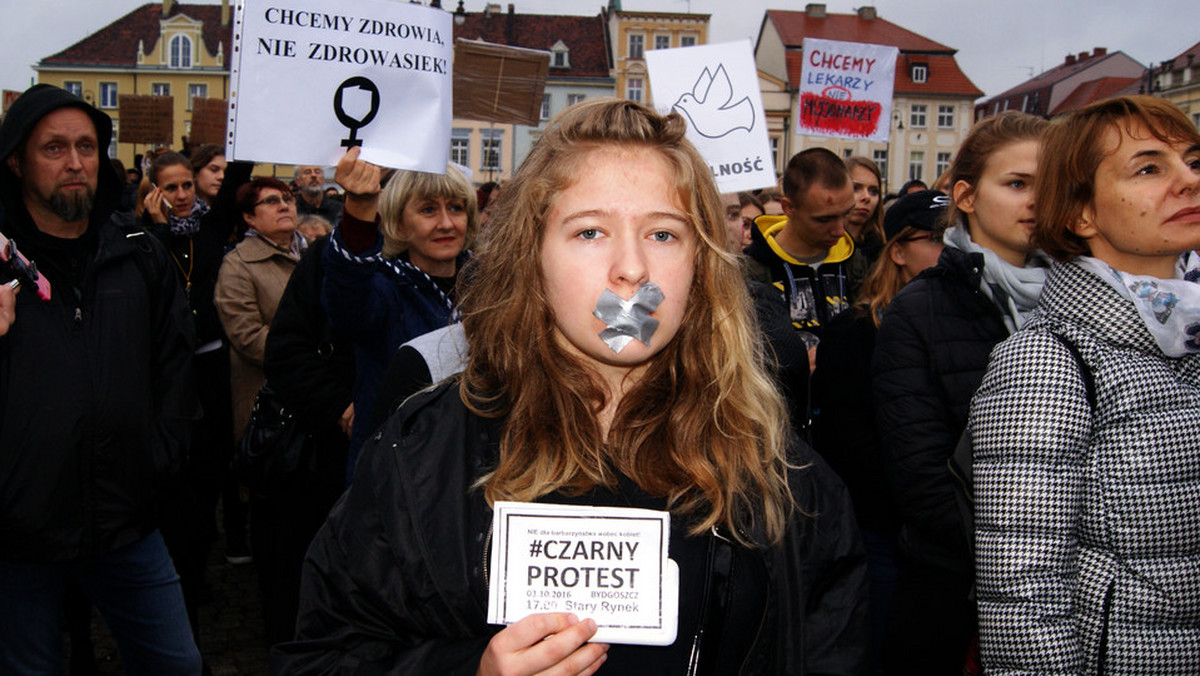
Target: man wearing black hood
x=95, y=399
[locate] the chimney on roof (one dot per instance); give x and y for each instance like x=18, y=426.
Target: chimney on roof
x=867, y=13
x=492, y=8
x=168, y=5
x=1069, y=60
x=1099, y=51
x=510, y=26
x=815, y=9
x=1083, y=56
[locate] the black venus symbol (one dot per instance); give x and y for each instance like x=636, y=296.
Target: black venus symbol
x=349, y=122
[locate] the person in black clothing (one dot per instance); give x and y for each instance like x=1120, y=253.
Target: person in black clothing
x=930, y=356
x=311, y=368
x=844, y=429
x=96, y=399
x=683, y=419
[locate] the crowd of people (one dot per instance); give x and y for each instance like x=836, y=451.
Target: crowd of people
x=952, y=433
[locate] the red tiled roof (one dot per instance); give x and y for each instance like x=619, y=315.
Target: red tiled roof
x=1095, y=90
x=1057, y=74
x=116, y=44
x=583, y=36
x=1181, y=60
x=944, y=77
x=794, y=26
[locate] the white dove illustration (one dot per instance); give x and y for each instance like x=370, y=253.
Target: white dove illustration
x=709, y=109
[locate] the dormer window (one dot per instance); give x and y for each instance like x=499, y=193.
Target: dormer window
x=560, y=55
x=920, y=73
x=180, y=52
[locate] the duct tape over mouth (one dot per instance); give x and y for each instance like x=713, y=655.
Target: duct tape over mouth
x=627, y=320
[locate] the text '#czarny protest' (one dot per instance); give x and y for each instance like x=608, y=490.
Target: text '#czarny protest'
x=317, y=50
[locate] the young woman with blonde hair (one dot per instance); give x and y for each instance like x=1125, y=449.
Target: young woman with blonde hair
x=553, y=408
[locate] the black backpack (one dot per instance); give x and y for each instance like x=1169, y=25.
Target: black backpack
x=962, y=462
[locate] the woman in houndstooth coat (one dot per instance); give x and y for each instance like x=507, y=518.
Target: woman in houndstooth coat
x=1086, y=433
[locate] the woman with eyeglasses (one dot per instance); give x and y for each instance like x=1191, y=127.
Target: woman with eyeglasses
x=930, y=355
x=251, y=282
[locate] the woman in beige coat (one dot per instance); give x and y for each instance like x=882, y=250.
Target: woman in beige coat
x=252, y=279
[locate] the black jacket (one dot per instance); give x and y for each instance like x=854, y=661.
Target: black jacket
x=96, y=396
x=930, y=356
x=387, y=582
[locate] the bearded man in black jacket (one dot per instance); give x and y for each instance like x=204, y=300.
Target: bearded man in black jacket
x=95, y=399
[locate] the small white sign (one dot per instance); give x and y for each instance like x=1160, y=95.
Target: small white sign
x=846, y=90
x=715, y=88
x=310, y=79
x=609, y=564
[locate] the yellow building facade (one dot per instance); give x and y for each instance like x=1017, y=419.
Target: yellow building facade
x=632, y=34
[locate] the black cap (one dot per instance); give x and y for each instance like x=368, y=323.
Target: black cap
x=922, y=210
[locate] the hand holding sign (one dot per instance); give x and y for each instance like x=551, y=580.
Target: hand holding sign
x=541, y=642
x=360, y=180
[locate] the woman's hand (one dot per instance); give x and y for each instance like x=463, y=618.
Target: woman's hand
x=360, y=180
x=553, y=644
x=346, y=422
x=8, y=308
x=156, y=206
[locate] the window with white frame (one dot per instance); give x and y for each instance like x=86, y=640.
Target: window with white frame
x=916, y=165
x=687, y=41
x=662, y=41
x=637, y=46
x=916, y=115
x=920, y=73
x=160, y=88
x=1196, y=120
x=560, y=55
x=881, y=158
x=945, y=117
x=545, y=107
x=460, y=146
x=634, y=89
x=180, y=52
x=112, y=143
x=108, y=94
x=941, y=163
x=196, y=91
x=847, y=152
x=572, y=99
x=492, y=144
x=74, y=87
x=775, y=151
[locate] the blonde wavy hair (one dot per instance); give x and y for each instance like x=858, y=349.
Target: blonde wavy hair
x=705, y=427
x=405, y=186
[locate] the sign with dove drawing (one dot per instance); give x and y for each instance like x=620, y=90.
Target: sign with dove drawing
x=715, y=88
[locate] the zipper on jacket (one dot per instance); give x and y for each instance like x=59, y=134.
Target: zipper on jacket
x=487, y=550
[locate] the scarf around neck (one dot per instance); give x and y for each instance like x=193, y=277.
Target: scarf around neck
x=1170, y=308
x=189, y=225
x=295, y=247
x=1014, y=290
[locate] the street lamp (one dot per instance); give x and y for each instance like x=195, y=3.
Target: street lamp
x=460, y=14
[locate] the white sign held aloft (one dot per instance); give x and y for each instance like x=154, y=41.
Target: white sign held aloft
x=715, y=88
x=310, y=79
x=846, y=90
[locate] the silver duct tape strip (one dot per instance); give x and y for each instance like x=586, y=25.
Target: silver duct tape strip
x=628, y=320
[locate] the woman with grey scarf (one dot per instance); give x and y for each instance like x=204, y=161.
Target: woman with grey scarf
x=930, y=356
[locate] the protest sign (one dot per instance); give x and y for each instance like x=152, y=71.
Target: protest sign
x=715, y=88
x=605, y=563
x=145, y=119
x=498, y=83
x=310, y=79
x=209, y=118
x=846, y=90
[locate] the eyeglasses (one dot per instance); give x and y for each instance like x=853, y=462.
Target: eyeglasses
x=275, y=200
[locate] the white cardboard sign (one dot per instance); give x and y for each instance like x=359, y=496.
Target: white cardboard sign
x=846, y=90
x=606, y=563
x=715, y=88
x=310, y=78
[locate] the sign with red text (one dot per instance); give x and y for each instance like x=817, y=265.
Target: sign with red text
x=310, y=79
x=715, y=88
x=606, y=563
x=846, y=90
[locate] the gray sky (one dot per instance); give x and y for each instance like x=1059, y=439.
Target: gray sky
x=1000, y=42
